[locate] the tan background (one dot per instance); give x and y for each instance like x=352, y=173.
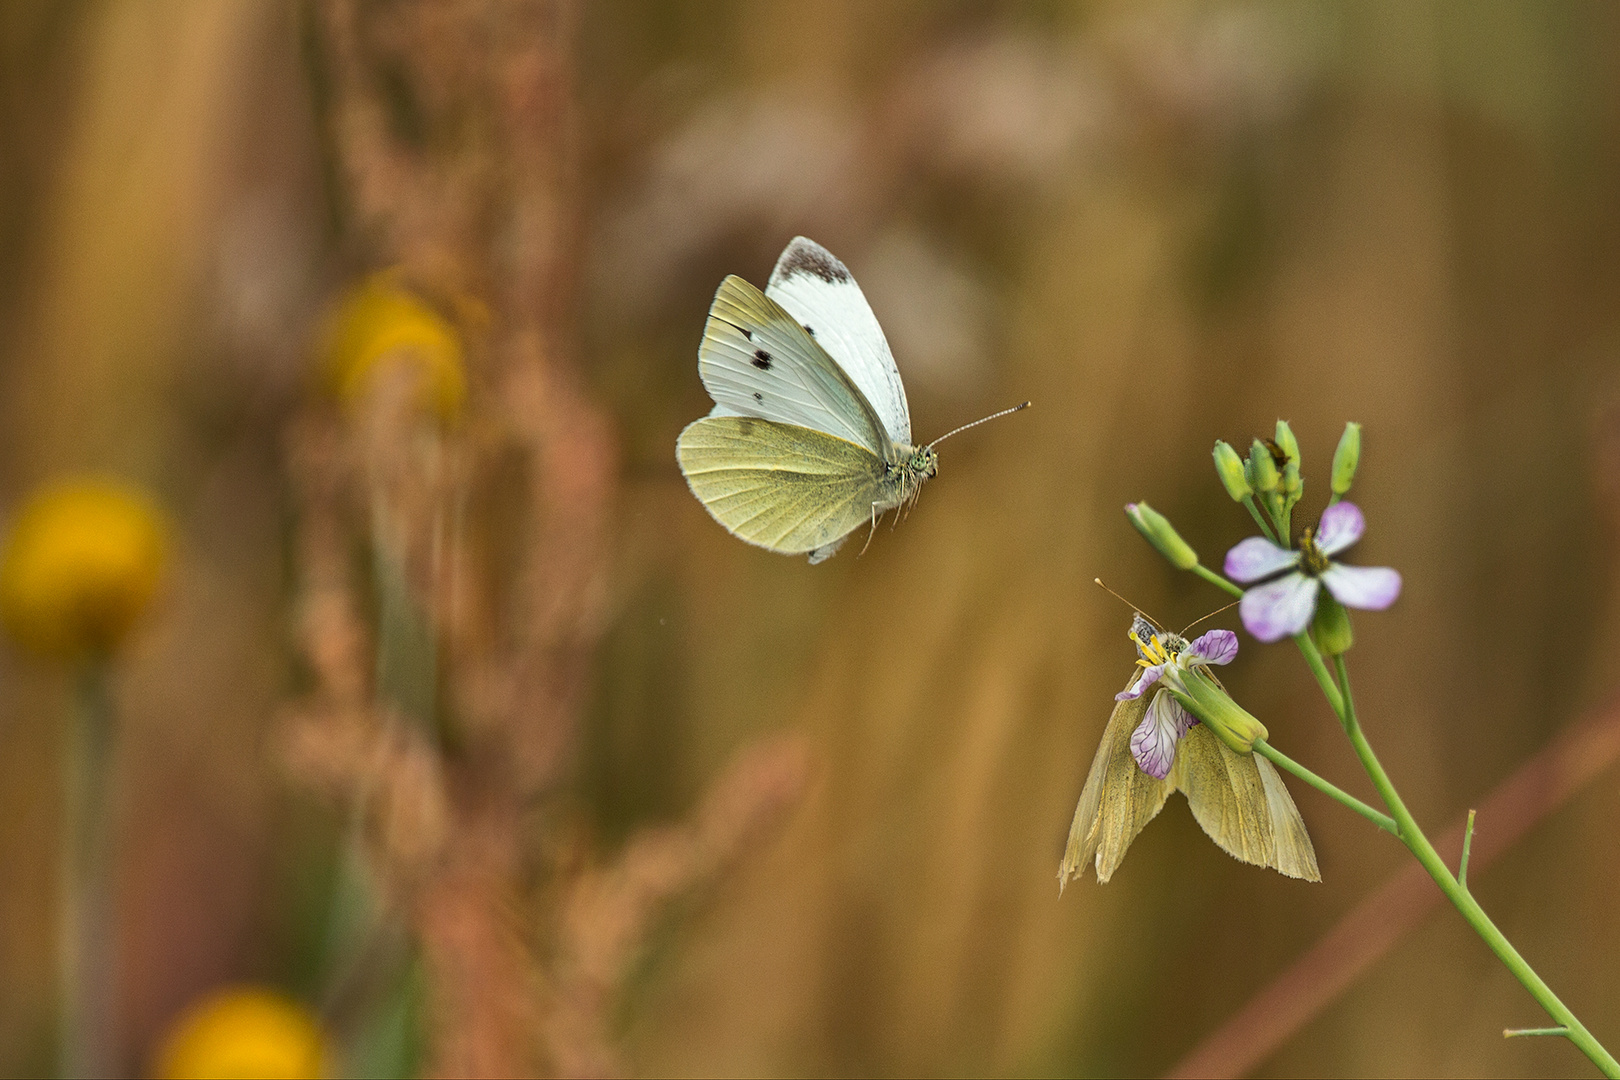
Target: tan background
x=1164, y=224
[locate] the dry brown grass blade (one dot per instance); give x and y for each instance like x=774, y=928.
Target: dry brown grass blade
x=609, y=910
x=1575, y=758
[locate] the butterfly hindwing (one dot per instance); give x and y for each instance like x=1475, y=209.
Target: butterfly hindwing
x=818, y=291
x=1241, y=803
x=781, y=486
x=757, y=360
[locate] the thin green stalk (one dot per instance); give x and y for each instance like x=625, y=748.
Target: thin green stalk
x=1414, y=839
x=1283, y=761
x=86, y=943
x=1313, y=657
x=1215, y=579
x=1273, y=503
x=1468, y=846
x=1259, y=519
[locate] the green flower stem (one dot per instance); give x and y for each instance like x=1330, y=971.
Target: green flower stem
x=1519, y=1033
x=1468, y=844
x=1283, y=761
x=1216, y=580
x=1273, y=503
x=1313, y=657
x=86, y=939
x=1460, y=897
x=1259, y=519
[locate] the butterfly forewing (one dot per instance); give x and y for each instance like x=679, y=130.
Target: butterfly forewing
x=1118, y=801
x=1296, y=855
x=781, y=486
x=818, y=291
x=757, y=360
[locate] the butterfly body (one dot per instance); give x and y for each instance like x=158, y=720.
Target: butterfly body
x=810, y=437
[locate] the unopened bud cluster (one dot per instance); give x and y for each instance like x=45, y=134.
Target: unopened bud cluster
x=1269, y=483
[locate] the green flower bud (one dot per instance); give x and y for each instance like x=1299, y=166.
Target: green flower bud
x=1162, y=535
x=1262, y=470
x=1293, y=486
x=1230, y=721
x=1346, y=458
x=1330, y=626
x=1229, y=467
x=1286, y=443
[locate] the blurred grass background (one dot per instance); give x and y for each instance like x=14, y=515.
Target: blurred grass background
x=1165, y=223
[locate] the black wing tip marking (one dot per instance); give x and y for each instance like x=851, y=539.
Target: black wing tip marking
x=805, y=256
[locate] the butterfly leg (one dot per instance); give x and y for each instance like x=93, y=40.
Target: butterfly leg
x=915, y=495
x=870, y=532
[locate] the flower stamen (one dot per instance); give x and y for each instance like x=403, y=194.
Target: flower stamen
x=1312, y=561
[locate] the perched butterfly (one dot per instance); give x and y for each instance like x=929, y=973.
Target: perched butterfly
x=810, y=437
x=1238, y=798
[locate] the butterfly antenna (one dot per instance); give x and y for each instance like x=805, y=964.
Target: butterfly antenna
x=1211, y=615
x=976, y=423
x=1099, y=582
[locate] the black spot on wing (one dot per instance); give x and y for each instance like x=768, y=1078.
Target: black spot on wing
x=762, y=359
x=812, y=259
x=758, y=396
x=808, y=330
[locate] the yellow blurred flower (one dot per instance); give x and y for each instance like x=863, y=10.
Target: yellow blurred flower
x=243, y=1031
x=381, y=321
x=81, y=562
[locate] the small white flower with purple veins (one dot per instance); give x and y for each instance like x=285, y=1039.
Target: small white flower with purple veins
x=1283, y=607
x=1166, y=659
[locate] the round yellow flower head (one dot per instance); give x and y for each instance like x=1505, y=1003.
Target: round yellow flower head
x=80, y=565
x=243, y=1031
x=380, y=321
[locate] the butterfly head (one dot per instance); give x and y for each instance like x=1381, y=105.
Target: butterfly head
x=923, y=462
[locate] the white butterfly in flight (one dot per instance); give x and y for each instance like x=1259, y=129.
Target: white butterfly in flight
x=810, y=437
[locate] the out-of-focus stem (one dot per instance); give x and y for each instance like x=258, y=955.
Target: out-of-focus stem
x=407, y=652
x=88, y=962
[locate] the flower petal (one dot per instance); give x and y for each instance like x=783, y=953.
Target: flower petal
x=1257, y=557
x=1149, y=677
x=1153, y=743
x=1372, y=588
x=1280, y=608
x=1215, y=647
x=1342, y=525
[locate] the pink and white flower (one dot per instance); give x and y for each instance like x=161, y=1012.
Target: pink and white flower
x=1282, y=606
x=1167, y=660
